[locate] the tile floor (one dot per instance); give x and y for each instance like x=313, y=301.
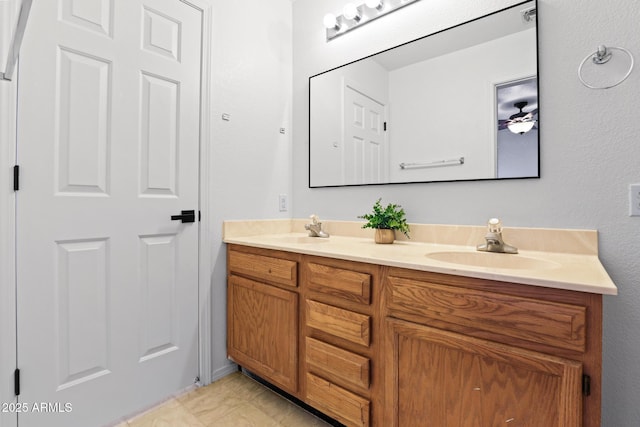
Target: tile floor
x=233, y=401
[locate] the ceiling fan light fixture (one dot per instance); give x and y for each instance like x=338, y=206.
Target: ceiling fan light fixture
x=521, y=122
x=521, y=127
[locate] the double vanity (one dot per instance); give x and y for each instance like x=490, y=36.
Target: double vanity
x=427, y=331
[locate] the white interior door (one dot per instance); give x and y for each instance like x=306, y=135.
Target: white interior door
x=8, y=17
x=365, y=151
x=108, y=143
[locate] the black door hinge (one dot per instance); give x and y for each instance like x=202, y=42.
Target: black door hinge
x=199, y=216
x=586, y=385
x=16, y=382
x=16, y=178
x=385, y=126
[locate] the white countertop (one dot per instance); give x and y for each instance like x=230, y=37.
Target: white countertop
x=571, y=262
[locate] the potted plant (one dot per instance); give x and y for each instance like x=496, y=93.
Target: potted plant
x=385, y=221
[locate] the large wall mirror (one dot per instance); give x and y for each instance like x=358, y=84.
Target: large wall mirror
x=460, y=104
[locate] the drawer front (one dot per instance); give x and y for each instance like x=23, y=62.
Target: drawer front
x=556, y=324
x=333, y=362
x=282, y=271
x=347, y=284
x=345, y=324
x=341, y=404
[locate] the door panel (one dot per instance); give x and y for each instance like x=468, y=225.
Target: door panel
x=159, y=136
x=161, y=34
x=263, y=330
x=365, y=149
x=438, y=377
x=93, y=15
x=108, y=124
x=82, y=315
x=83, y=144
x=158, y=287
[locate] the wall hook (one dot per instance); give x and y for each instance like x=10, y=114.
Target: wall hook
x=602, y=55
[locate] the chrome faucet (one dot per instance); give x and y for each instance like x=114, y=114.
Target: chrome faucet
x=494, y=242
x=315, y=228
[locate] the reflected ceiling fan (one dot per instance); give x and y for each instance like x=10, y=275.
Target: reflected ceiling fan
x=520, y=122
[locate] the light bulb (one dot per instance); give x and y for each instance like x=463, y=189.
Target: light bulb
x=374, y=4
x=350, y=11
x=330, y=21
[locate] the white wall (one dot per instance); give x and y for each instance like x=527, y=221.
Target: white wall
x=590, y=152
x=250, y=158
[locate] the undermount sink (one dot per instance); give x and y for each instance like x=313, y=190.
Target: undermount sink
x=493, y=260
x=300, y=239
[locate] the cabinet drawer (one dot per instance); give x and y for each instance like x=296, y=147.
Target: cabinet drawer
x=341, y=404
x=282, y=271
x=334, y=362
x=351, y=326
x=556, y=324
x=347, y=284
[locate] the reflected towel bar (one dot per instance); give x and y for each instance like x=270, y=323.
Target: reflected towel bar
x=436, y=164
x=14, y=48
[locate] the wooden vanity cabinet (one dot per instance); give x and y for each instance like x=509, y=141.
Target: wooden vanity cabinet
x=340, y=340
x=262, y=313
x=384, y=346
x=470, y=352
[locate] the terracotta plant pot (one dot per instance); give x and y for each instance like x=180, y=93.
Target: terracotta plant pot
x=384, y=235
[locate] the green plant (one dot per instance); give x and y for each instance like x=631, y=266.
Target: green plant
x=392, y=218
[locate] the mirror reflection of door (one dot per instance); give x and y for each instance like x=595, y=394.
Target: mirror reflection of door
x=365, y=152
x=517, y=130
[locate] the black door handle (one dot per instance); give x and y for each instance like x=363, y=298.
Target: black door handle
x=185, y=216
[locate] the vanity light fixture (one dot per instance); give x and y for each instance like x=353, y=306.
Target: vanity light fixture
x=354, y=15
x=374, y=4
x=352, y=12
x=331, y=22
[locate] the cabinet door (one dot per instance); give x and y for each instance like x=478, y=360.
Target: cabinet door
x=262, y=330
x=444, y=379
